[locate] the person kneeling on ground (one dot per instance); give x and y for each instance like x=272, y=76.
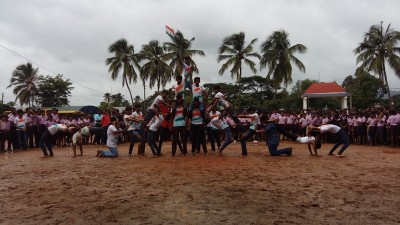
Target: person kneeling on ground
x=272, y=137
x=112, y=139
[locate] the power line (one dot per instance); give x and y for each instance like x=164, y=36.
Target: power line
x=51, y=71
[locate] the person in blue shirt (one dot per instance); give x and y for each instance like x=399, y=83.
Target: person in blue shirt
x=272, y=137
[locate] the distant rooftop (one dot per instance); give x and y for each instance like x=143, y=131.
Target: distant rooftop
x=331, y=89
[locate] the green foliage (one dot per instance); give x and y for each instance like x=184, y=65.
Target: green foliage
x=366, y=90
x=178, y=49
x=155, y=69
x=124, y=59
x=4, y=107
x=301, y=86
x=259, y=89
x=54, y=91
x=235, y=52
x=379, y=49
x=24, y=79
x=278, y=56
x=116, y=100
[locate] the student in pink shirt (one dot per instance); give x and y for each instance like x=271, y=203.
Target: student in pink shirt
x=372, y=121
x=393, y=122
x=380, y=128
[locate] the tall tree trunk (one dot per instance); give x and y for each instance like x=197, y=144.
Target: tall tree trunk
x=275, y=91
x=158, y=81
x=144, y=95
x=386, y=83
x=129, y=89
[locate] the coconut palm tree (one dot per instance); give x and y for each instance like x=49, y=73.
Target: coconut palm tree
x=278, y=56
x=24, y=79
x=235, y=51
x=378, y=49
x=155, y=69
x=124, y=59
x=107, y=98
x=178, y=49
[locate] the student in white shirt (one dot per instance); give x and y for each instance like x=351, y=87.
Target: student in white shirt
x=255, y=120
x=220, y=99
x=112, y=139
x=342, y=137
x=154, y=124
x=47, y=139
x=78, y=137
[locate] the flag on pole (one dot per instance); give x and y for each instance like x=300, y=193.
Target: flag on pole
x=169, y=31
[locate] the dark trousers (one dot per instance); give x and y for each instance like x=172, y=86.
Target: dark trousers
x=211, y=138
x=134, y=136
x=243, y=139
x=164, y=135
x=21, y=139
x=217, y=137
x=47, y=141
x=12, y=138
x=151, y=140
x=372, y=134
x=197, y=133
x=393, y=135
x=30, y=135
x=179, y=135
x=273, y=150
x=3, y=138
x=342, y=139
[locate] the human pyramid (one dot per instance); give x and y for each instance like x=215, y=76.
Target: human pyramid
x=195, y=121
x=199, y=119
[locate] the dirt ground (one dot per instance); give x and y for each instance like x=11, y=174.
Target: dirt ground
x=362, y=188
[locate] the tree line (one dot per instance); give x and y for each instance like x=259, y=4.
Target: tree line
x=156, y=64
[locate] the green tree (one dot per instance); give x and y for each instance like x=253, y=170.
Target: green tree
x=366, y=89
x=301, y=86
x=258, y=88
x=4, y=107
x=124, y=59
x=137, y=99
x=278, y=56
x=155, y=69
x=378, y=48
x=54, y=91
x=118, y=100
x=178, y=49
x=107, y=98
x=24, y=79
x=235, y=51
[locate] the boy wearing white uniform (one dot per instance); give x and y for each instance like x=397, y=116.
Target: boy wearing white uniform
x=341, y=136
x=48, y=136
x=112, y=139
x=218, y=123
x=78, y=137
x=152, y=133
x=229, y=109
x=255, y=120
x=160, y=99
x=130, y=122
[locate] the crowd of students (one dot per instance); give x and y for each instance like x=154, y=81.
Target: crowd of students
x=203, y=122
x=207, y=128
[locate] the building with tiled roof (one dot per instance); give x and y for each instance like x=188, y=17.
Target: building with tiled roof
x=322, y=90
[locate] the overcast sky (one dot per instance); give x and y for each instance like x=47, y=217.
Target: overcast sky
x=71, y=37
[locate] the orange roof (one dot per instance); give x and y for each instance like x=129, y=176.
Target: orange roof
x=322, y=88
